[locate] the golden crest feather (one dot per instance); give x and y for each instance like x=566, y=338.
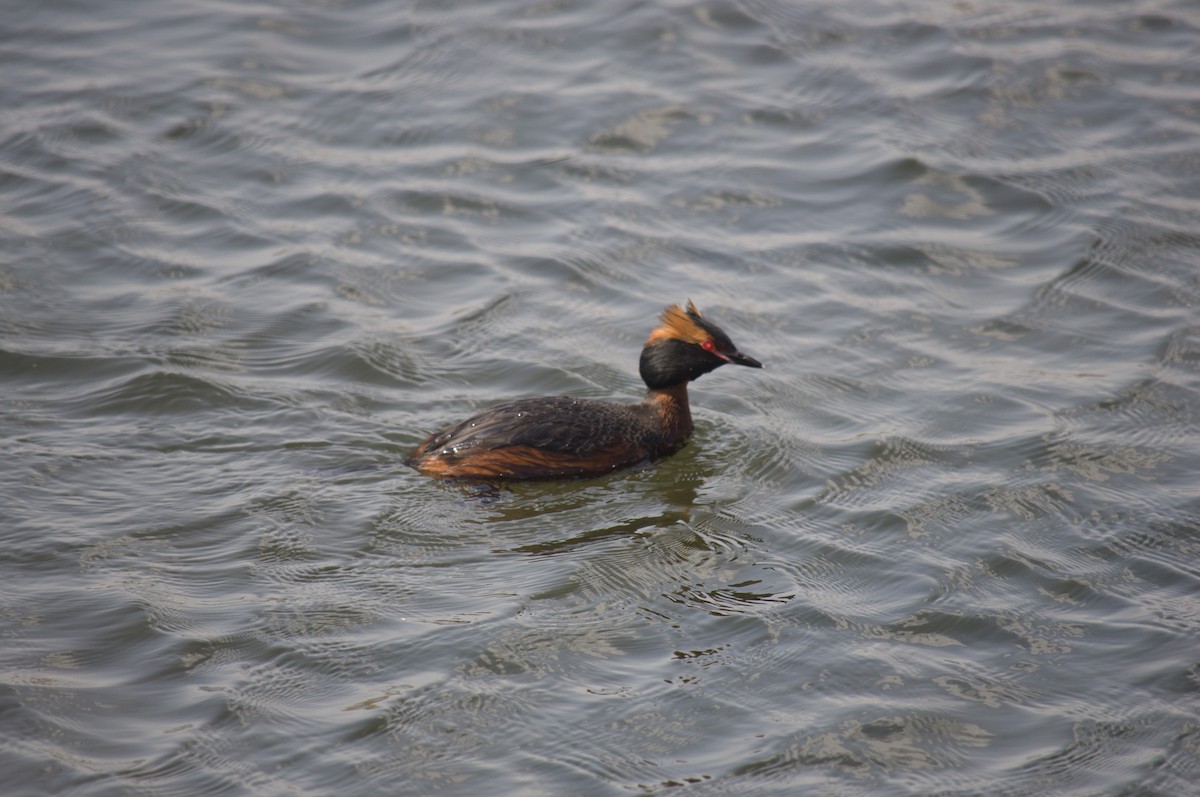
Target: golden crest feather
x=680, y=324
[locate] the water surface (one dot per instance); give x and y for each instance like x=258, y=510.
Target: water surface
x=945, y=543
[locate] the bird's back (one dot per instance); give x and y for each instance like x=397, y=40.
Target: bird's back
x=551, y=437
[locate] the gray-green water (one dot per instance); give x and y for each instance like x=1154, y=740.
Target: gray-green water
x=946, y=543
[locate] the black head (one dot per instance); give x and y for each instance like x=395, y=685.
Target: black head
x=687, y=346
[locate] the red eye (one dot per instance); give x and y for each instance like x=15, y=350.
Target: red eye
x=708, y=345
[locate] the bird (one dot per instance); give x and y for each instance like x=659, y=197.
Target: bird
x=564, y=437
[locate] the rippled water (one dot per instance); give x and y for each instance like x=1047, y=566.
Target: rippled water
x=948, y=542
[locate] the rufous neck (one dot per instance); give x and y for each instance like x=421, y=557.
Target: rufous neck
x=672, y=405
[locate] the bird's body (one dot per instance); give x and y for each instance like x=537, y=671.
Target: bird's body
x=563, y=437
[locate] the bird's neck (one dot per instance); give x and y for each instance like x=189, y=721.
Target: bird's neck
x=671, y=404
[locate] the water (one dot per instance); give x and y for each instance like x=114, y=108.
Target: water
x=945, y=543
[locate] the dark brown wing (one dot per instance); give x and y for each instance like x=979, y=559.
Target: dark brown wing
x=531, y=438
x=560, y=424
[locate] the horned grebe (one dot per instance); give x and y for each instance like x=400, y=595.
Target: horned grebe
x=562, y=437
